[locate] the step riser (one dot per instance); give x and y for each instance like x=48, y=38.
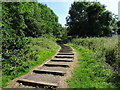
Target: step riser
x=44, y=72
x=62, y=57
x=62, y=60
x=34, y=84
x=56, y=65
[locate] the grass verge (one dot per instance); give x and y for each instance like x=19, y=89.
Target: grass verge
x=90, y=73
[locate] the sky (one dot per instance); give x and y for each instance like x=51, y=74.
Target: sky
x=61, y=7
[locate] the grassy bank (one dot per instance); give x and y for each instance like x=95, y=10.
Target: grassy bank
x=105, y=49
x=98, y=63
x=39, y=49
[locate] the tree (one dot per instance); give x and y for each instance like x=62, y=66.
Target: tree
x=89, y=19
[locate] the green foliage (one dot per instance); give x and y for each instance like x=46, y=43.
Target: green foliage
x=103, y=47
x=21, y=19
x=105, y=50
x=49, y=21
x=20, y=22
x=91, y=72
x=64, y=35
x=89, y=19
x=39, y=49
x=32, y=18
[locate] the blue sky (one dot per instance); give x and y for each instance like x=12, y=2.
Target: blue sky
x=61, y=7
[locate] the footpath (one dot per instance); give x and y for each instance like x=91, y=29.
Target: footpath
x=51, y=74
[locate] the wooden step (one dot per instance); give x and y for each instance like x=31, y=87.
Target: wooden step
x=62, y=60
x=49, y=72
x=63, y=56
x=34, y=83
x=56, y=65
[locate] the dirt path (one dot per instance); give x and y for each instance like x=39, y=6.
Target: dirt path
x=51, y=74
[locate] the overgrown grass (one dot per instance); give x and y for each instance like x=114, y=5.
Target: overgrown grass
x=40, y=49
x=90, y=73
x=106, y=49
x=99, y=63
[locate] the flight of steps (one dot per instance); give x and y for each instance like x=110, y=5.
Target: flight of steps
x=48, y=76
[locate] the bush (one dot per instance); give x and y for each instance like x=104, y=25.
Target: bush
x=34, y=53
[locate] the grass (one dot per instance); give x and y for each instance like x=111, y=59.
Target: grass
x=99, y=63
x=106, y=49
x=90, y=73
x=40, y=49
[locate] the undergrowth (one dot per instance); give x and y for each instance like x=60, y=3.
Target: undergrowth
x=90, y=73
x=101, y=54
x=35, y=53
x=103, y=47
